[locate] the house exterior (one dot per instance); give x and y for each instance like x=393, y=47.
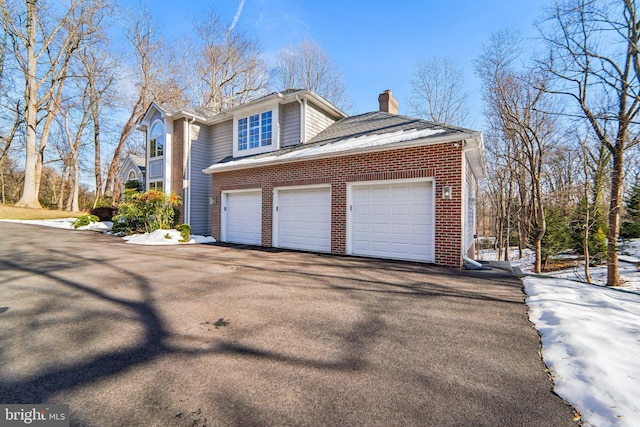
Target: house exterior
x=290, y=170
x=132, y=168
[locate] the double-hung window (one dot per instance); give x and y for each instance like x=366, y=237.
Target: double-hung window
x=255, y=131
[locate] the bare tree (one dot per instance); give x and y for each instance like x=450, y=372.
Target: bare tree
x=439, y=93
x=98, y=67
x=220, y=66
x=149, y=81
x=308, y=66
x=516, y=105
x=44, y=38
x=594, y=57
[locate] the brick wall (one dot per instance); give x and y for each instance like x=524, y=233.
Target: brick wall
x=441, y=161
x=177, y=172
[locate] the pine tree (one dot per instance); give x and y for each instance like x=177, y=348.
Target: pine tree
x=630, y=228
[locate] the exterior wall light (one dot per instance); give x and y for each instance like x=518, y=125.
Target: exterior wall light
x=446, y=192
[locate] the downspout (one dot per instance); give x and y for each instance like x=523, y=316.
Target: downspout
x=303, y=119
x=469, y=264
x=187, y=174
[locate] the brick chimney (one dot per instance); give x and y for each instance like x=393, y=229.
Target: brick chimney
x=388, y=103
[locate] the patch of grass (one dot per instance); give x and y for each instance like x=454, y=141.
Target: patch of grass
x=12, y=212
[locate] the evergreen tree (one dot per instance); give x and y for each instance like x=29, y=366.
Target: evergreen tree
x=557, y=237
x=597, y=232
x=630, y=228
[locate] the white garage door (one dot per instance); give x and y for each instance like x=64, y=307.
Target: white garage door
x=304, y=219
x=393, y=220
x=242, y=218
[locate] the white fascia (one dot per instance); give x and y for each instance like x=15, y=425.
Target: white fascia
x=232, y=165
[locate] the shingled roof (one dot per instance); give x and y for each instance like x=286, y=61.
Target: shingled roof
x=376, y=123
x=364, y=132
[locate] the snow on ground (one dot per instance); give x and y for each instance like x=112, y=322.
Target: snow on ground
x=64, y=223
x=591, y=344
x=165, y=237
x=158, y=237
x=629, y=266
x=590, y=335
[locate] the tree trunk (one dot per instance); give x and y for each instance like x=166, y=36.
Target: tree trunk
x=61, y=195
x=29, y=198
x=541, y=224
x=617, y=180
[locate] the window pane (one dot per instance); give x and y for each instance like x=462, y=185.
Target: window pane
x=242, y=134
x=254, y=131
x=160, y=146
x=266, y=128
x=156, y=141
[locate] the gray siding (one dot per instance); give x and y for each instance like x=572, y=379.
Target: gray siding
x=155, y=116
x=317, y=121
x=200, y=183
x=221, y=137
x=289, y=124
x=470, y=220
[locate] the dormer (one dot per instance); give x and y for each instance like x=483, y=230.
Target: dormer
x=256, y=130
x=278, y=120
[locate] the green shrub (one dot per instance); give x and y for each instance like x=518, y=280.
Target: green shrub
x=85, y=220
x=146, y=212
x=185, y=232
x=133, y=184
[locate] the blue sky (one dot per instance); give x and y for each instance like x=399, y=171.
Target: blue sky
x=375, y=43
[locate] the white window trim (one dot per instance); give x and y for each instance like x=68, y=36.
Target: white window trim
x=164, y=147
x=275, y=130
x=349, y=218
x=275, y=226
x=155, y=182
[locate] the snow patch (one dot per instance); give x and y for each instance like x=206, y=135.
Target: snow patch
x=590, y=343
x=165, y=237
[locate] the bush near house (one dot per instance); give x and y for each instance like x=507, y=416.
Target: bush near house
x=146, y=212
x=85, y=220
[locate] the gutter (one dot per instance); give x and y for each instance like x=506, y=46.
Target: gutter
x=393, y=146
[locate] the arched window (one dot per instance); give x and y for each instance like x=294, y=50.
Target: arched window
x=132, y=176
x=156, y=141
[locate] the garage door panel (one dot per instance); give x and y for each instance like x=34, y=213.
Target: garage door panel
x=304, y=219
x=244, y=218
x=393, y=220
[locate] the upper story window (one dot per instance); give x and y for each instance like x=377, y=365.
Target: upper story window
x=255, y=131
x=156, y=141
x=132, y=176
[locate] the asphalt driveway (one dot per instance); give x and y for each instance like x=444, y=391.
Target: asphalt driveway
x=200, y=335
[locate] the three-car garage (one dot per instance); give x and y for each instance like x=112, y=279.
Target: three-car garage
x=386, y=219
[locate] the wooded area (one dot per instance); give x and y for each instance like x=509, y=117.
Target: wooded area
x=77, y=75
